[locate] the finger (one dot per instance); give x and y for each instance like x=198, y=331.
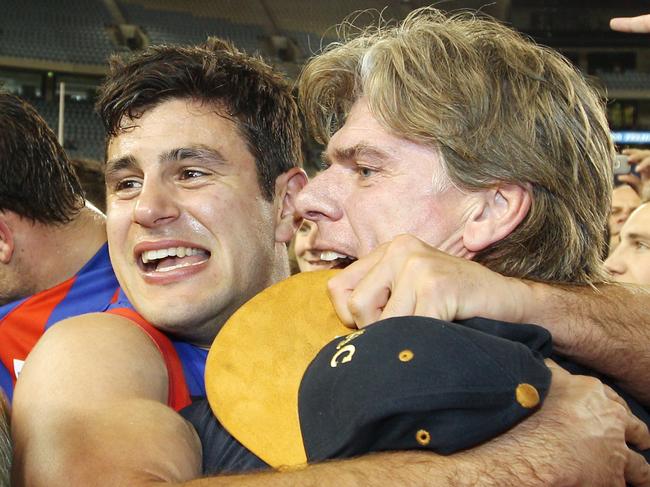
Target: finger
x=643, y=167
x=425, y=305
x=372, y=293
x=632, y=180
x=341, y=286
x=553, y=365
x=636, y=155
x=402, y=301
x=614, y=396
x=640, y=24
x=636, y=431
x=637, y=470
x=558, y=373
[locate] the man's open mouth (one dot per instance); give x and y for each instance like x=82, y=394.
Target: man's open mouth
x=166, y=260
x=338, y=261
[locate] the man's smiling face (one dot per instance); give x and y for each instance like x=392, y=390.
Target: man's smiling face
x=191, y=237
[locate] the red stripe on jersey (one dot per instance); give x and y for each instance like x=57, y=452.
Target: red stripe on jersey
x=24, y=325
x=178, y=396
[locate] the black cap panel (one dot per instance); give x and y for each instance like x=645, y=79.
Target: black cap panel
x=414, y=383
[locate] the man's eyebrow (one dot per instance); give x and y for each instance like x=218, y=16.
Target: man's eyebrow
x=637, y=236
x=358, y=151
x=115, y=165
x=207, y=154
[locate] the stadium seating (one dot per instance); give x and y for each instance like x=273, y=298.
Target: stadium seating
x=178, y=26
x=70, y=31
x=83, y=131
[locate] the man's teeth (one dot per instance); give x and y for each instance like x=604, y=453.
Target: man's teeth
x=150, y=255
x=178, y=266
x=330, y=255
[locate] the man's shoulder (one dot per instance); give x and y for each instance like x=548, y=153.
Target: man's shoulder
x=99, y=347
x=89, y=359
x=105, y=326
x=91, y=289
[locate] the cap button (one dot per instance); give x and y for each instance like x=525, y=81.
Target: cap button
x=527, y=396
x=423, y=437
x=406, y=355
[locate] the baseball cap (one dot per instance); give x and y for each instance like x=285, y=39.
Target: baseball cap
x=290, y=382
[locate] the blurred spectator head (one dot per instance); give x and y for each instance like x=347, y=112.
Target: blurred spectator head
x=309, y=258
x=630, y=261
x=624, y=201
x=91, y=176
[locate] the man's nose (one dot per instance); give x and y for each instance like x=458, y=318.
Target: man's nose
x=155, y=204
x=320, y=199
x=614, y=264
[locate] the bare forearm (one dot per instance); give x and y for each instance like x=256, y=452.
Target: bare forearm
x=113, y=446
x=380, y=469
x=606, y=329
x=477, y=468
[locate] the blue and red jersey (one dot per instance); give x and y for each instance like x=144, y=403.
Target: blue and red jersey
x=24, y=321
x=93, y=289
x=185, y=362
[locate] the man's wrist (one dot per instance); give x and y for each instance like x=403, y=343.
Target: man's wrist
x=525, y=296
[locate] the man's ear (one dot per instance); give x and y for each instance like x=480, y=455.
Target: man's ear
x=7, y=243
x=498, y=212
x=287, y=187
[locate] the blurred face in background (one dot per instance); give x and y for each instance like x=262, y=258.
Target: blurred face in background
x=630, y=262
x=308, y=257
x=624, y=201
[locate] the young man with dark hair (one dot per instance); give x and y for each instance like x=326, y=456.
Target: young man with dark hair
x=203, y=157
x=53, y=255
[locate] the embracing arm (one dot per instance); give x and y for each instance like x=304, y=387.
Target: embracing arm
x=89, y=410
x=577, y=438
x=607, y=329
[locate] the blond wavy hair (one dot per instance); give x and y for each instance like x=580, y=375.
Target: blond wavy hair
x=499, y=109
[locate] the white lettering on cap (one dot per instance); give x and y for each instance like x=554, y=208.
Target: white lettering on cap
x=347, y=352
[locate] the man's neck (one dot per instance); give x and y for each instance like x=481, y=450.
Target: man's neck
x=68, y=247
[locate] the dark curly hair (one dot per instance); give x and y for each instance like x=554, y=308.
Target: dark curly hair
x=257, y=97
